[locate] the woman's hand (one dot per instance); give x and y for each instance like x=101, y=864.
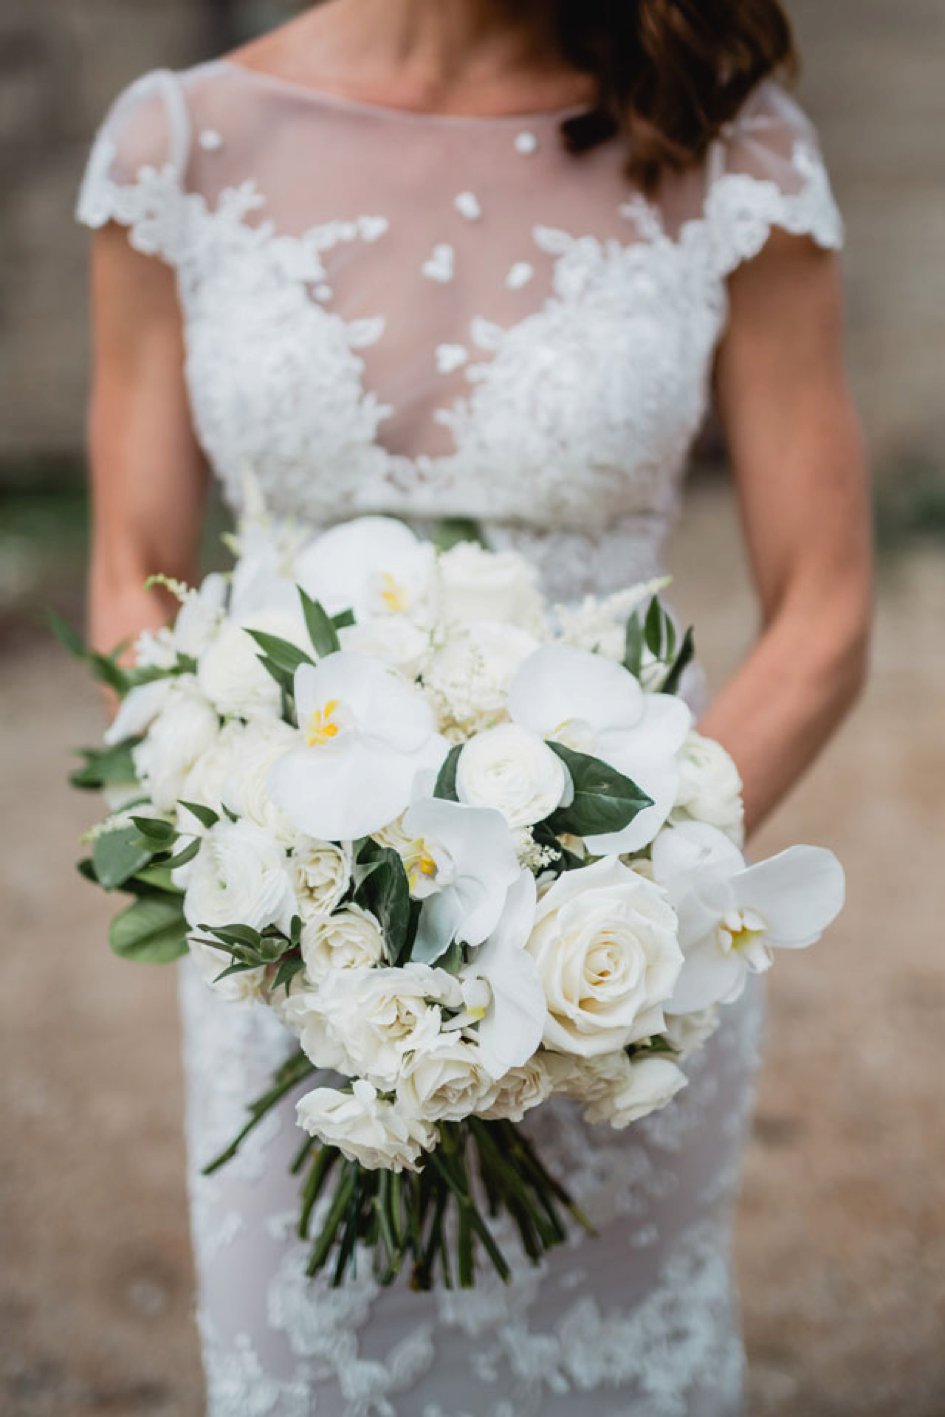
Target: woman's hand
x=799, y=467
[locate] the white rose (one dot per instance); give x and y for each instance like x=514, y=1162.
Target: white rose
x=646, y=1085
x=365, y=1127
x=605, y=941
x=204, y=783
x=477, y=584
x=240, y=876
x=710, y=788
x=519, y=1091
x=688, y=1032
x=350, y=939
x=365, y=1021
x=395, y=639
x=446, y=1083
x=514, y=771
x=229, y=671
x=468, y=678
x=185, y=728
x=245, y=790
x=322, y=873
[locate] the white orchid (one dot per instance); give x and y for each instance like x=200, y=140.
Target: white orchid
x=595, y=706
x=731, y=915
x=364, y=734
x=461, y=862
x=375, y=566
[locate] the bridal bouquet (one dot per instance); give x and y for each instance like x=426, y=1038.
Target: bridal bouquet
x=468, y=846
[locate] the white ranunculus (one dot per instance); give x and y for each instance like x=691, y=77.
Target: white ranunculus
x=460, y=863
x=321, y=872
x=446, y=1083
x=365, y=1127
x=364, y=735
x=351, y=938
x=519, y=1090
x=245, y=792
x=595, y=706
x=710, y=788
x=183, y=731
x=240, y=876
x=732, y=915
x=365, y=1021
x=375, y=566
x=230, y=673
x=605, y=941
x=514, y=771
x=476, y=584
x=395, y=639
x=468, y=677
x=645, y=1085
x=687, y=1033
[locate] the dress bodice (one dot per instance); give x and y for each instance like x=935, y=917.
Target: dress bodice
x=435, y=316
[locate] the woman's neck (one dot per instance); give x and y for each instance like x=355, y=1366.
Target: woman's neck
x=429, y=55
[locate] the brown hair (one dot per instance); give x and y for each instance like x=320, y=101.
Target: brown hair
x=670, y=73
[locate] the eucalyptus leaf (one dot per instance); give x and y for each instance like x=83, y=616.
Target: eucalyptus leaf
x=151, y=931
x=446, y=778
x=604, y=799
x=118, y=855
x=105, y=766
x=156, y=830
x=206, y=816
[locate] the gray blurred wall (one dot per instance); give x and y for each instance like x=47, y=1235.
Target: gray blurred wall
x=873, y=82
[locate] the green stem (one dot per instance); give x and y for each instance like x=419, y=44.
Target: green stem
x=292, y=1072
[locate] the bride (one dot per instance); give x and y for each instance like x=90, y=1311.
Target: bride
x=490, y=260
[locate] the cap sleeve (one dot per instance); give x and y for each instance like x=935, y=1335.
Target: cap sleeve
x=766, y=171
x=136, y=169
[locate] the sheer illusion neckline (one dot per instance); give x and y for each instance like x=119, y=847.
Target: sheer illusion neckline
x=330, y=99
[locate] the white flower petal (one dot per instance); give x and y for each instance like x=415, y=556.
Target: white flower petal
x=798, y=893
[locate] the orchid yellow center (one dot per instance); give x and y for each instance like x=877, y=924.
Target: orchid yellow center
x=740, y=930
x=419, y=862
x=322, y=724
x=393, y=594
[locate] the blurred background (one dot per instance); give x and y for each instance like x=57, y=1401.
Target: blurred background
x=841, y=1241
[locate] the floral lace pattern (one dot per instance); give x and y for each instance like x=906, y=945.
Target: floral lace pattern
x=382, y=314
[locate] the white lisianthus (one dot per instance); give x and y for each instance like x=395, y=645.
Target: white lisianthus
x=595, y=706
x=240, y=876
x=468, y=677
x=375, y=566
x=519, y=1090
x=605, y=940
x=262, y=742
x=460, y=863
x=365, y=1127
x=476, y=584
x=349, y=939
x=514, y=771
x=364, y=735
x=710, y=788
x=230, y=673
x=184, y=729
x=634, y=1089
x=731, y=915
x=321, y=871
x=395, y=639
x=687, y=1033
x=365, y=1021
x=446, y=1083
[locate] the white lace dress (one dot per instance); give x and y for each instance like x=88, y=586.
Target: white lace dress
x=436, y=316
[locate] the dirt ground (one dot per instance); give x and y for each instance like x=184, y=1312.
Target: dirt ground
x=841, y=1245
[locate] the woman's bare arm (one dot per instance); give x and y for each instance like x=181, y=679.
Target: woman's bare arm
x=799, y=467
x=148, y=475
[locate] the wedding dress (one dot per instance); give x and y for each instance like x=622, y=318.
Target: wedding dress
x=432, y=316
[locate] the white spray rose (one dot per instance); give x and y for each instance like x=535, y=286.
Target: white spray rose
x=183, y=731
x=322, y=873
x=514, y=771
x=519, y=1091
x=350, y=939
x=605, y=940
x=365, y=1127
x=446, y=1083
x=240, y=876
x=633, y=1089
x=229, y=671
x=710, y=788
x=687, y=1033
x=468, y=677
x=477, y=584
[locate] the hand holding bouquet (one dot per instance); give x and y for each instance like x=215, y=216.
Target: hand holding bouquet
x=469, y=847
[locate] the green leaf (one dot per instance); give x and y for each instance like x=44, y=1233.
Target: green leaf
x=206, y=816
x=604, y=799
x=321, y=628
x=282, y=654
x=118, y=855
x=343, y=619
x=156, y=830
x=288, y=970
x=105, y=766
x=446, y=778
x=70, y=639
x=151, y=931
x=234, y=934
x=684, y=658
x=386, y=893
x=183, y=858
x=153, y=880
x=633, y=651
x=451, y=531
x=653, y=628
